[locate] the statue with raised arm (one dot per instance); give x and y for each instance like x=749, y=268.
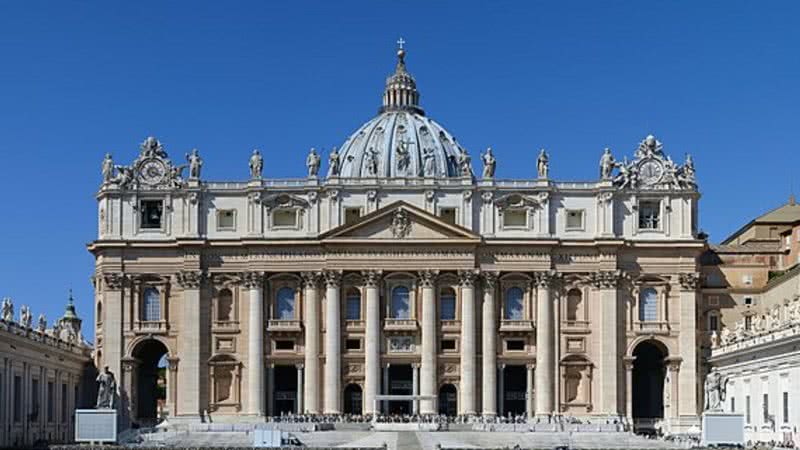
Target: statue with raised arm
x=606, y=164
x=489, y=163
x=256, y=165
x=333, y=163
x=542, y=165
x=151, y=147
x=108, y=169
x=7, y=310
x=195, y=164
x=106, y=388
x=312, y=163
x=403, y=156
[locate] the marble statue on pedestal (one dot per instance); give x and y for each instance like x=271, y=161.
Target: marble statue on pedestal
x=542, y=165
x=25, y=316
x=195, y=164
x=42, y=325
x=256, y=165
x=333, y=163
x=106, y=387
x=715, y=386
x=465, y=163
x=606, y=164
x=108, y=169
x=489, y=163
x=7, y=310
x=312, y=163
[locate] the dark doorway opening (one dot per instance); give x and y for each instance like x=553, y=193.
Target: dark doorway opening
x=352, y=399
x=400, y=383
x=648, y=381
x=448, y=400
x=515, y=383
x=285, y=390
x=151, y=381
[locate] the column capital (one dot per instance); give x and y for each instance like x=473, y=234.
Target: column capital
x=172, y=364
x=371, y=278
x=530, y=366
x=501, y=366
x=333, y=278
x=689, y=281
x=489, y=279
x=427, y=278
x=673, y=363
x=189, y=279
x=299, y=366
x=627, y=361
x=607, y=279
x=467, y=277
x=252, y=280
x=310, y=279
x=546, y=278
x=113, y=280
x=415, y=365
x=386, y=365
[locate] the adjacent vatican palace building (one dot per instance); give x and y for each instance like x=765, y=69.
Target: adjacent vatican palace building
x=396, y=269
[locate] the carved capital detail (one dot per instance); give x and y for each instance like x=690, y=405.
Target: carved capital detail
x=467, y=277
x=114, y=280
x=189, y=279
x=689, y=281
x=252, y=280
x=310, y=279
x=546, y=278
x=489, y=280
x=606, y=279
x=371, y=278
x=333, y=278
x=427, y=278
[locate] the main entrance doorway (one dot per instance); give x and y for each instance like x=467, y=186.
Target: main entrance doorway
x=151, y=381
x=515, y=383
x=400, y=383
x=448, y=403
x=648, y=381
x=285, y=390
x=352, y=399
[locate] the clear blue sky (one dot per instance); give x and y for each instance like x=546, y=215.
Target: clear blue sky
x=78, y=79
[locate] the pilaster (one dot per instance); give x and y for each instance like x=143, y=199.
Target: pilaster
x=372, y=344
x=427, y=279
x=606, y=282
x=333, y=338
x=189, y=344
x=687, y=345
x=311, y=320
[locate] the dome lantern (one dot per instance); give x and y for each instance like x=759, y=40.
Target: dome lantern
x=401, y=89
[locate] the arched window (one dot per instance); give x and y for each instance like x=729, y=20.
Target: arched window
x=648, y=305
x=400, y=308
x=224, y=305
x=514, y=307
x=353, y=305
x=574, y=305
x=286, y=303
x=713, y=321
x=99, y=315
x=151, y=305
x=447, y=304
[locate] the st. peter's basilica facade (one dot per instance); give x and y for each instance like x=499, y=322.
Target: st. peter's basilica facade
x=397, y=270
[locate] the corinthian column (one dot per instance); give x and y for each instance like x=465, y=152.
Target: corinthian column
x=606, y=285
x=489, y=345
x=189, y=343
x=468, y=375
x=687, y=342
x=311, y=300
x=372, y=344
x=545, y=364
x=254, y=283
x=333, y=338
x=427, y=279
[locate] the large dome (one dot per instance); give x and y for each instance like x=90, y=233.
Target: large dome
x=401, y=141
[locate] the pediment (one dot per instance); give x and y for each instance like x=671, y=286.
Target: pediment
x=400, y=221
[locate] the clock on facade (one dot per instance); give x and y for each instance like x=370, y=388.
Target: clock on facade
x=650, y=171
x=152, y=171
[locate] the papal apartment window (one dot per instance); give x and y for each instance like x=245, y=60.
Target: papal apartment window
x=448, y=215
x=286, y=303
x=648, y=305
x=649, y=215
x=515, y=345
x=713, y=321
x=400, y=306
x=284, y=345
x=447, y=304
x=226, y=219
x=353, y=305
x=748, y=301
x=514, y=307
x=151, y=305
x=448, y=345
x=514, y=218
x=575, y=219
x=152, y=212
x=351, y=215
x=284, y=218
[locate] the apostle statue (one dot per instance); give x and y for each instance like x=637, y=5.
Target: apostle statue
x=465, y=163
x=108, y=169
x=489, y=163
x=542, y=165
x=195, y=164
x=256, y=165
x=428, y=163
x=333, y=163
x=7, y=310
x=724, y=336
x=42, y=326
x=714, y=390
x=403, y=156
x=606, y=164
x=106, y=388
x=25, y=317
x=372, y=162
x=312, y=162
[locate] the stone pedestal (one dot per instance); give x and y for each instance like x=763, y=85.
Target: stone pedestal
x=96, y=425
x=720, y=428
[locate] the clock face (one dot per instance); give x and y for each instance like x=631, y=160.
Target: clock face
x=152, y=171
x=650, y=171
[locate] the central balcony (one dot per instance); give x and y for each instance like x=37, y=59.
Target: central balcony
x=285, y=326
x=516, y=325
x=400, y=324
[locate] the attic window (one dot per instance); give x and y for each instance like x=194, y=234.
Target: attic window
x=226, y=219
x=575, y=219
x=448, y=215
x=284, y=218
x=351, y=215
x=514, y=218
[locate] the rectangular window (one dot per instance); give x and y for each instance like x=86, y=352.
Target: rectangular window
x=35, y=403
x=748, y=322
x=575, y=219
x=284, y=345
x=766, y=408
x=353, y=308
x=649, y=215
x=448, y=215
x=17, y=398
x=515, y=218
x=785, y=407
x=151, y=213
x=51, y=402
x=748, y=301
x=515, y=345
x=284, y=218
x=352, y=344
x=713, y=322
x=351, y=215
x=448, y=345
x=713, y=300
x=63, y=402
x=747, y=409
x=226, y=219
x=447, y=311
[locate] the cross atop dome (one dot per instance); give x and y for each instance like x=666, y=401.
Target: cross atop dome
x=401, y=88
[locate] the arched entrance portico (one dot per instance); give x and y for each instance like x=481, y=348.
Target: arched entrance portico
x=648, y=383
x=352, y=399
x=150, y=381
x=448, y=400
